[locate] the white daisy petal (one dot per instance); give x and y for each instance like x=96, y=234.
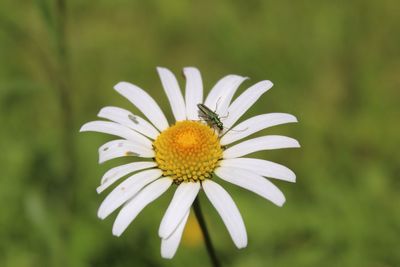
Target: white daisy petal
x=261, y=167
x=225, y=99
x=122, y=148
x=252, y=182
x=180, y=203
x=268, y=142
x=132, y=208
x=170, y=245
x=126, y=190
x=114, y=174
x=221, y=94
x=193, y=92
x=228, y=211
x=117, y=130
x=144, y=102
x=255, y=124
x=129, y=120
x=171, y=88
x=245, y=101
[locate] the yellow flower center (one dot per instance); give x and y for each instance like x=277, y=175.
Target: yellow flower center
x=188, y=151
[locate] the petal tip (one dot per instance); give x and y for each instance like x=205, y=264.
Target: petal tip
x=83, y=128
x=292, y=118
x=268, y=84
x=166, y=255
x=162, y=231
x=116, y=232
x=190, y=68
x=102, y=112
x=162, y=69
x=99, y=189
x=242, y=246
x=121, y=85
x=101, y=215
x=281, y=202
x=294, y=143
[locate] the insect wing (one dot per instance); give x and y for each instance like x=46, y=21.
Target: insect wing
x=204, y=109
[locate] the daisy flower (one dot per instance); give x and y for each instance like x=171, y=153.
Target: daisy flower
x=189, y=155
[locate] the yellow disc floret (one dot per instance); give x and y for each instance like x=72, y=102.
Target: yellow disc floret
x=188, y=151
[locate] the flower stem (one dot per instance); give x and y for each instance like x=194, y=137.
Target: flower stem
x=206, y=235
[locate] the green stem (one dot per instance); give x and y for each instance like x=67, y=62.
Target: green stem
x=206, y=235
x=64, y=90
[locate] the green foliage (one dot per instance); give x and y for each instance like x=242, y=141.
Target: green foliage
x=335, y=65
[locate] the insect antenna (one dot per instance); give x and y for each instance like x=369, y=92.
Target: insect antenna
x=236, y=131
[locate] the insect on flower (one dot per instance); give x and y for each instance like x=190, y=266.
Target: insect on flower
x=212, y=118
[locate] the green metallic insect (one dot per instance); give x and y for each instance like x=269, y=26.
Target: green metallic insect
x=212, y=118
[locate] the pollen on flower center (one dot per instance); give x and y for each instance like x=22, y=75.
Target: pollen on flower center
x=187, y=139
x=187, y=151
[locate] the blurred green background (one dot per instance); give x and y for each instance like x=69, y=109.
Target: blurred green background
x=335, y=65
